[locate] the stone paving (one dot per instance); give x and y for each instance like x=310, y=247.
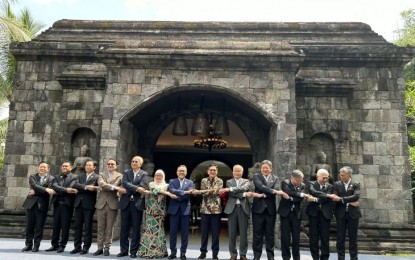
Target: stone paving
x=11, y=249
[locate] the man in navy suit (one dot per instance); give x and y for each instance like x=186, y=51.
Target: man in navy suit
x=63, y=202
x=85, y=200
x=37, y=205
x=290, y=214
x=264, y=210
x=179, y=211
x=346, y=194
x=132, y=202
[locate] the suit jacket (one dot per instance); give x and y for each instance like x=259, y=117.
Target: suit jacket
x=237, y=193
x=351, y=195
x=131, y=185
x=182, y=203
x=323, y=202
x=261, y=186
x=107, y=193
x=86, y=198
x=211, y=201
x=41, y=197
x=295, y=199
x=60, y=185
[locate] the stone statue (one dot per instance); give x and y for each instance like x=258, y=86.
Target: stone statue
x=321, y=164
x=148, y=166
x=79, y=163
x=254, y=169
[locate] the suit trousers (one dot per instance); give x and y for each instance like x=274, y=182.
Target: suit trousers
x=35, y=222
x=290, y=230
x=319, y=230
x=131, y=218
x=83, y=224
x=62, y=215
x=210, y=222
x=238, y=221
x=263, y=224
x=106, y=219
x=351, y=225
x=177, y=220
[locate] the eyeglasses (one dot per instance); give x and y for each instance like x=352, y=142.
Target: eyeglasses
x=110, y=163
x=324, y=178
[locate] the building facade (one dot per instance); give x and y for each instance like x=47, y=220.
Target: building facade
x=294, y=91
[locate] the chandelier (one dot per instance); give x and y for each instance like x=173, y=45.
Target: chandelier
x=207, y=132
x=213, y=139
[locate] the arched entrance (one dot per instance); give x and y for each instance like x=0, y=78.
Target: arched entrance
x=147, y=129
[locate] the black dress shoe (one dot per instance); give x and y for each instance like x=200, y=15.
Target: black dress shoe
x=106, y=251
x=35, y=249
x=98, y=252
x=172, y=256
x=202, y=256
x=60, y=249
x=52, y=248
x=75, y=251
x=183, y=256
x=84, y=251
x=26, y=248
x=122, y=254
x=133, y=255
x=215, y=257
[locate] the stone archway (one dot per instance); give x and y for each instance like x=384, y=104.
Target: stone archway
x=143, y=125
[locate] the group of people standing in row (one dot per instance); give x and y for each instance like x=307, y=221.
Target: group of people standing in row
x=131, y=192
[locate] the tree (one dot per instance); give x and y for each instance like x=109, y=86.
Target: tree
x=406, y=37
x=14, y=28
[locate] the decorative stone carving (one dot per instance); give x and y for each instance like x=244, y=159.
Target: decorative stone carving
x=79, y=163
x=321, y=164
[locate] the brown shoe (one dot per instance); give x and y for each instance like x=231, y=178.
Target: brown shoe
x=243, y=257
x=233, y=257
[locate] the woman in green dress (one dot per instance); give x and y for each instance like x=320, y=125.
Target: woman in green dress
x=153, y=240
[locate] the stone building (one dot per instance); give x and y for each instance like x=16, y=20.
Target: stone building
x=289, y=91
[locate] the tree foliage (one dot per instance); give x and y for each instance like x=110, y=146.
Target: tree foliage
x=407, y=38
x=13, y=27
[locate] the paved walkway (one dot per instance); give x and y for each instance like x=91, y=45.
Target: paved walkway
x=11, y=249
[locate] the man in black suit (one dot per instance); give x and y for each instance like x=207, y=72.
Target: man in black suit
x=264, y=209
x=135, y=182
x=87, y=186
x=290, y=214
x=320, y=212
x=63, y=202
x=37, y=205
x=346, y=194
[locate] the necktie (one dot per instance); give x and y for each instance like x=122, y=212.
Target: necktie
x=42, y=179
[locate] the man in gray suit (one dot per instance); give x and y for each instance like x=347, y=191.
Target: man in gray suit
x=238, y=208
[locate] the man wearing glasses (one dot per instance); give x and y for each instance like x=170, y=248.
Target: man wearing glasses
x=132, y=202
x=107, y=206
x=320, y=212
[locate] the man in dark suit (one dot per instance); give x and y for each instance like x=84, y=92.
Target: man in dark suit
x=320, y=212
x=290, y=214
x=135, y=182
x=264, y=209
x=87, y=186
x=179, y=211
x=37, y=205
x=63, y=202
x=346, y=194
x=238, y=208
